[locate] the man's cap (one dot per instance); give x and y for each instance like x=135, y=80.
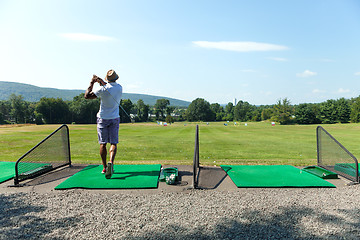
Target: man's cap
x=111, y=76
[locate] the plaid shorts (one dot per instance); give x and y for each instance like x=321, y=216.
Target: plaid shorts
x=108, y=130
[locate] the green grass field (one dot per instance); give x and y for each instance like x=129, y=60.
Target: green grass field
x=145, y=143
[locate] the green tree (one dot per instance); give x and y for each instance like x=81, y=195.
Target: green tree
x=307, y=113
x=84, y=110
x=267, y=113
x=18, y=108
x=38, y=118
x=181, y=113
x=160, y=108
x=142, y=111
x=2, y=119
x=30, y=112
x=128, y=106
x=243, y=111
x=169, y=119
x=283, y=111
x=169, y=110
x=355, y=110
x=329, y=111
x=229, y=112
x=256, y=114
x=344, y=110
x=5, y=108
x=53, y=110
x=199, y=110
x=218, y=111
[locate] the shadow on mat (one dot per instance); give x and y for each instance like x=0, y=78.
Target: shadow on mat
x=134, y=174
x=55, y=175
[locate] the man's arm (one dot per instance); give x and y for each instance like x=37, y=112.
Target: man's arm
x=100, y=81
x=89, y=93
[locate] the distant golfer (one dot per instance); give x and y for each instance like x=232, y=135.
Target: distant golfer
x=108, y=118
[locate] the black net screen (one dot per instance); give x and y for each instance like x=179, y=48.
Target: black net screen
x=51, y=153
x=196, y=164
x=333, y=156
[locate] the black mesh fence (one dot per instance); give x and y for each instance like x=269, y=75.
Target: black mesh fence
x=51, y=153
x=333, y=156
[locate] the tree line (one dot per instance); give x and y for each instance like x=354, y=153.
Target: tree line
x=82, y=111
x=79, y=110
x=331, y=111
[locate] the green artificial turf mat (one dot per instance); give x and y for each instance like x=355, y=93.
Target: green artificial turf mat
x=7, y=171
x=125, y=176
x=252, y=176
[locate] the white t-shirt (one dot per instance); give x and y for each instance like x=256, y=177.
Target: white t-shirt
x=110, y=99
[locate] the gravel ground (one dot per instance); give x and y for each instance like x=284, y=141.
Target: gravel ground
x=196, y=214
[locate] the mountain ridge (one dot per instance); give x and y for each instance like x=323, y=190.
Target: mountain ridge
x=32, y=93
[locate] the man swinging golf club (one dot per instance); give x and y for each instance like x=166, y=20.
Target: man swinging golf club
x=108, y=118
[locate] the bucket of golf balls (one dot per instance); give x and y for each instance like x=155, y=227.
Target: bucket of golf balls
x=170, y=175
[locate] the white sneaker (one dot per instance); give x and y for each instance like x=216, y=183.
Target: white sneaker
x=109, y=170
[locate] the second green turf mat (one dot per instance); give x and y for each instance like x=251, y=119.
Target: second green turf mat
x=125, y=176
x=272, y=176
x=7, y=171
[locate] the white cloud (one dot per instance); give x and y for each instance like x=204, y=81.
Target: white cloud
x=318, y=91
x=278, y=59
x=85, y=37
x=341, y=90
x=240, y=46
x=357, y=74
x=306, y=73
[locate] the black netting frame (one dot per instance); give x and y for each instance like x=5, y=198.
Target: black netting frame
x=331, y=154
x=51, y=153
x=196, y=164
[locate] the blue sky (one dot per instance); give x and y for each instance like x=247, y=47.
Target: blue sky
x=255, y=51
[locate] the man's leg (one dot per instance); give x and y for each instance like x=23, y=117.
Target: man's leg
x=103, y=153
x=112, y=152
x=102, y=137
x=113, y=138
x=110, y=166
x=113, y=130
